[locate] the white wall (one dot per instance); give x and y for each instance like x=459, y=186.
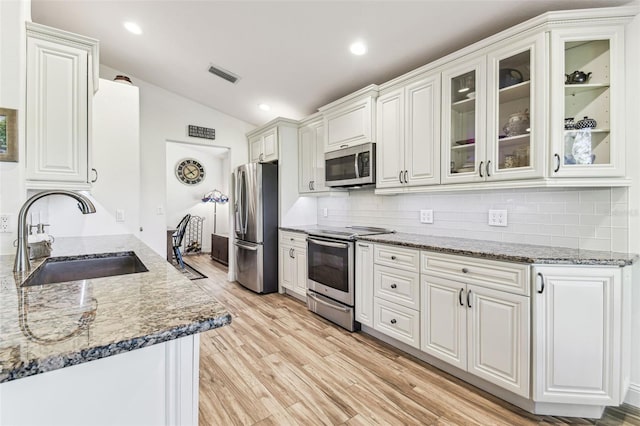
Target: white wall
x=183, y=199
x=13, y=15
x=164, y=116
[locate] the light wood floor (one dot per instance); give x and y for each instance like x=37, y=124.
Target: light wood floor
x=279, y=364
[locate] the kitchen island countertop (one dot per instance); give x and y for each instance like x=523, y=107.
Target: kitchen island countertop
x=52, y=326
x=494, y=250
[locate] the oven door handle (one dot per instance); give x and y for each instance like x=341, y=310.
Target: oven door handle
x=330, y=305
x=327, y=243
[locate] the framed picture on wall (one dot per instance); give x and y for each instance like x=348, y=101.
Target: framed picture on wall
x=8, y=135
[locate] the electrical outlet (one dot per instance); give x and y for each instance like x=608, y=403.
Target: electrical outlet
x=426, y=216
x=160, y=210
x=325, y=212
x=497, y=218
x=5, y=223
x=119, y=215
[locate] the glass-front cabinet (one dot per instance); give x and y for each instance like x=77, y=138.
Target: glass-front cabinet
x=516, y=120
x=587, y=89
x=463, y=121
x=494, y=114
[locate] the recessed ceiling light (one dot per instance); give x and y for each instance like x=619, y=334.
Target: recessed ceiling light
x=264, y=107
x=358, y=48
x=132, y=27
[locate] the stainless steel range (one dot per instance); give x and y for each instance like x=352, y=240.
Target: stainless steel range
x=331, y=272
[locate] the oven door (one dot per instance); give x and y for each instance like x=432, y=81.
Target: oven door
x=330, y=266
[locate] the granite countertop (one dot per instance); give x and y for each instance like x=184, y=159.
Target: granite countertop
x=47, y=327
x=494, y=250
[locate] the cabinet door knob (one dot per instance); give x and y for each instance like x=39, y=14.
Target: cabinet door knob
x=95, y=179
x=480, y=169
x=400, y=176
x=393, y=321
x=393, y=285
x=405, y=176
x=557, y=163
x=469, y=298
x=465, y=270
x=393, y=258
x=460, y=297
x=488, y=170
x=344, y=146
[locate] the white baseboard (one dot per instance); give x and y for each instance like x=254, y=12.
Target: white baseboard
x=633, y=395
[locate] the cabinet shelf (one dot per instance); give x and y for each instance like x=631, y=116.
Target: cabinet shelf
x=592, y=131
x=517, y=91
x=515, y=140
x=574, y=89
x=465, y=105
x=460, y=147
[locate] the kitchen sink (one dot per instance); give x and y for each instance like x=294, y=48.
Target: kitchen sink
x=74, y=268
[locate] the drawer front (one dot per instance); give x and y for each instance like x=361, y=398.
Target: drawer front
x=298, y=239
x=397, y=321
x=505, y=276
x=397, y=257
x=397, y=286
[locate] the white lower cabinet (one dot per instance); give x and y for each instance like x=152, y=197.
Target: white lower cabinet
x=579, y=323
x=482, y=331
x=364, y=283
x=292, y=262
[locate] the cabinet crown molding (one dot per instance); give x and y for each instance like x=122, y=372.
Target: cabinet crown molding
x=310, y=119
x=369, y=91
x=279, y=121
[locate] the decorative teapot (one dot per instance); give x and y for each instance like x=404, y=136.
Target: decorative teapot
x=577, y=77
x=509, y=77
x=518, y=124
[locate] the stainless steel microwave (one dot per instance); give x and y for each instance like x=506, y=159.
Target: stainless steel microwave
x=354, y=166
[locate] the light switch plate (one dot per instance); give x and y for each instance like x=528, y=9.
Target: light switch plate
x=497, y=218
x=426, y=216
x=325, y=212
x=119, y=215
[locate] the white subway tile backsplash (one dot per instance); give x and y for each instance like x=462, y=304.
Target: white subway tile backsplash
x=585, y=218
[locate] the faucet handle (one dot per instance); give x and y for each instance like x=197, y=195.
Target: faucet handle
x=40, y=227
x=30, y=228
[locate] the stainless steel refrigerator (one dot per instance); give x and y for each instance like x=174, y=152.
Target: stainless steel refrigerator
x=255, y=187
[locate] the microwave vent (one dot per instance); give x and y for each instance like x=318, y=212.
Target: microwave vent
x=224, y=74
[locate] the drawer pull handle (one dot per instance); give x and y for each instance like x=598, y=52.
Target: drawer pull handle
x=394, y=285
x=460, y=297
x=393, y=321
x=469, y=298
x=541, y=282
x=465, y=270
x=393, y=258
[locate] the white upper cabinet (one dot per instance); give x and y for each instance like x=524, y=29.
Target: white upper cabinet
x=263, y=146
x=464, y=121
x=516, y=121
x=60, y=84
x=311, y=157
x=587, y=107
x=493, y=125
x=408, y=134
x=350, y=121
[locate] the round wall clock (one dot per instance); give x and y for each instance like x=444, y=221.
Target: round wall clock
x=189, y=171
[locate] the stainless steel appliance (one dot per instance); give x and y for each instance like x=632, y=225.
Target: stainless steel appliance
x=255, y=249
x=331, y=273
x=355, y=166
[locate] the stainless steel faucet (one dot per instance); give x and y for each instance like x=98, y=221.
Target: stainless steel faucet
x=22, y=263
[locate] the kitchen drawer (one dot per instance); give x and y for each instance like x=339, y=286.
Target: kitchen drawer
x=505, y=276
x=397, y=286
x=397, y=321
x=294, y=238
x=397, y=257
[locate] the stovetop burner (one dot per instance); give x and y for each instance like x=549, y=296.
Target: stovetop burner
x=349, y=232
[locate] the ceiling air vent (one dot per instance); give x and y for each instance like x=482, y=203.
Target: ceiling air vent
x=224, y=74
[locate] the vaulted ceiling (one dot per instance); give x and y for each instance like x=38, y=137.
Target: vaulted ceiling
x=292, y=55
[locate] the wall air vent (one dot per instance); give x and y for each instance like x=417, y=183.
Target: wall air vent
x=224, y=74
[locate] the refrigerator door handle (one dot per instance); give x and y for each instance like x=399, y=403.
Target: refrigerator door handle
x=246, y=247
x=246, y=209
